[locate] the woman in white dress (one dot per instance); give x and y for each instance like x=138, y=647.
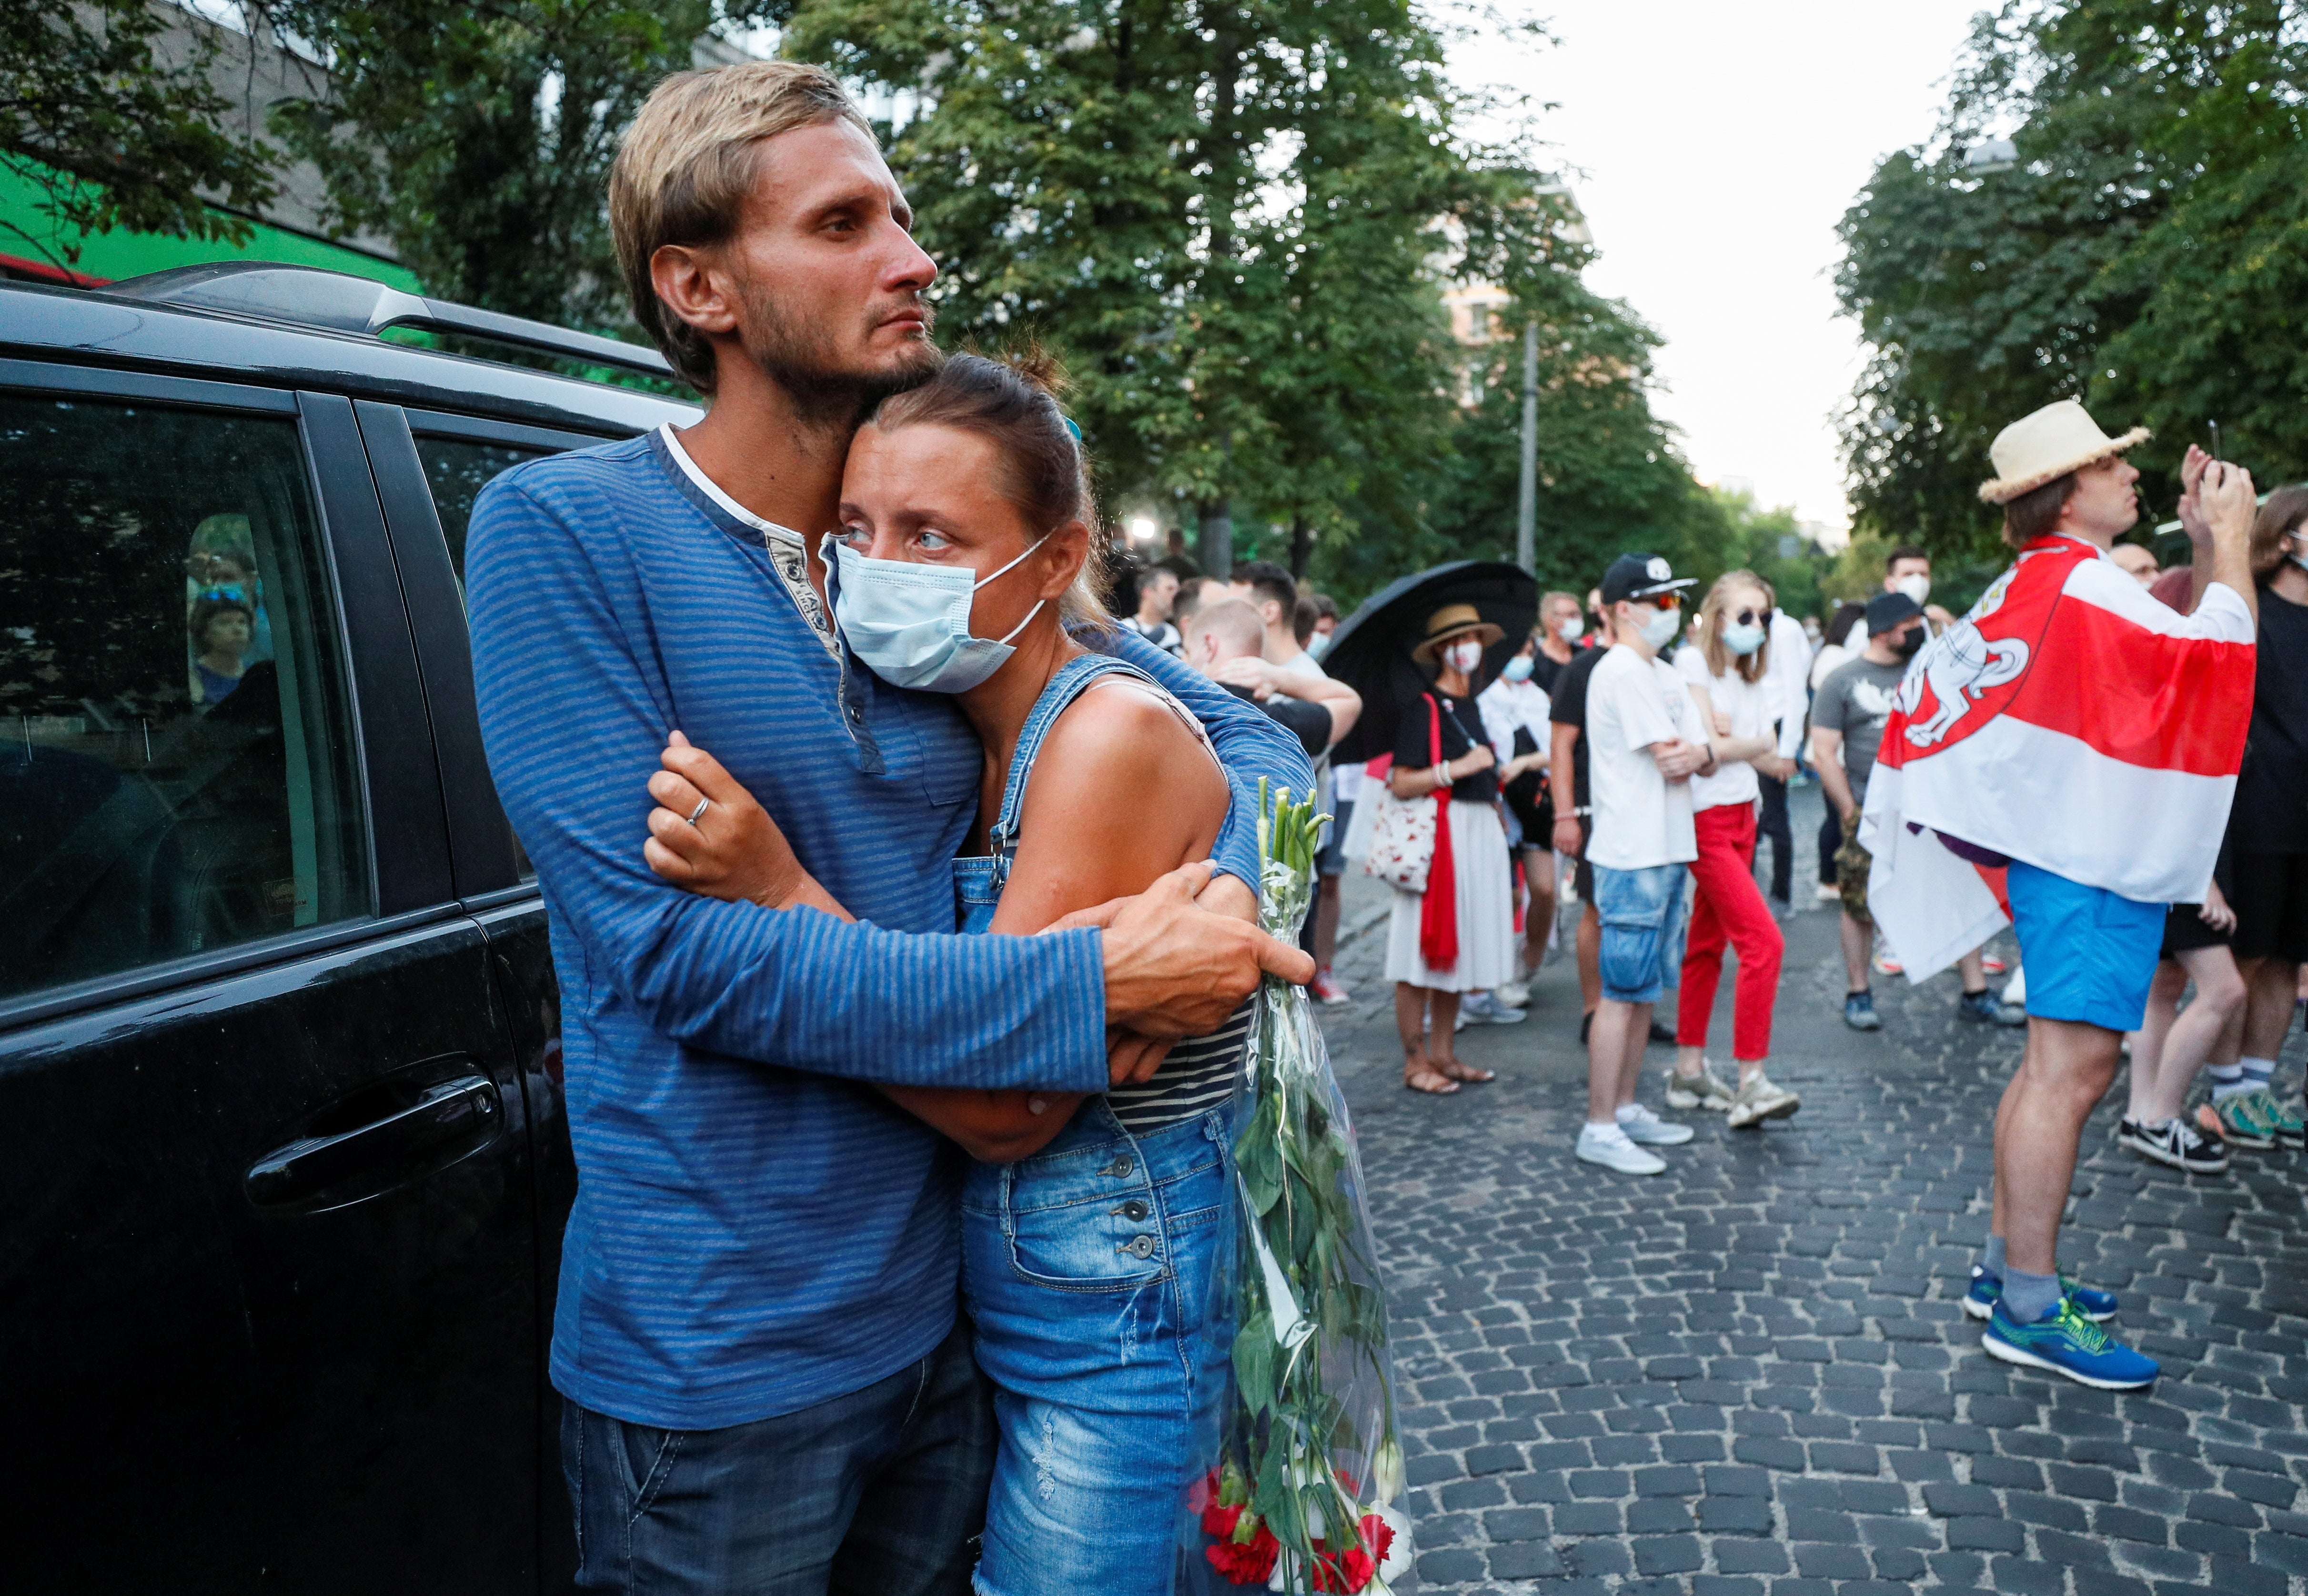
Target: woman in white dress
x=1457, y=937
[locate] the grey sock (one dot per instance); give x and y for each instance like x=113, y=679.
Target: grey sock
x=2028, y=1298
x=1991, y=1260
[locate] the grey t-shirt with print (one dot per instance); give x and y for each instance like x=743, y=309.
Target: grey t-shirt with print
x=1855, y=700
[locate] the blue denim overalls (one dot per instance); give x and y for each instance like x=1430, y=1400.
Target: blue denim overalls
x=1098, y=1274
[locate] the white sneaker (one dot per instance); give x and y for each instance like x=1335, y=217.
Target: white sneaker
x=1705, y=1089
x=1513, y=994
x=1642, y=1125
x=1485, y=1008
x=1759, y=1099
x=1829, y=894
x=1610, y=1146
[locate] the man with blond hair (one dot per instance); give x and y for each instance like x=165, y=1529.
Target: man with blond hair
x=756, y=1334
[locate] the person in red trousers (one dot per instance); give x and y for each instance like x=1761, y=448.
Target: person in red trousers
x=1726, y=668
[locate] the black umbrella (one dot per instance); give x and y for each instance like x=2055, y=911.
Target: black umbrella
x=1371, y=650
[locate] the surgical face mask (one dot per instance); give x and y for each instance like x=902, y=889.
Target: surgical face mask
x=1743, y=639
x=910, y=623
x=1464, y=656
x=1319, y=645
x=1918, y=588
x=1517, y=670
x=1660, y=629
x=1905, y=644
x=1570, y=629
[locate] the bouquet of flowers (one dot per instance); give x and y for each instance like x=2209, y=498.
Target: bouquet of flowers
x=1305, y=1494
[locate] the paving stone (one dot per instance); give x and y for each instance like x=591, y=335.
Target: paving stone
x=1745, y=1376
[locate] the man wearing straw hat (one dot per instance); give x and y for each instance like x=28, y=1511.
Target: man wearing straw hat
x=2026, y=744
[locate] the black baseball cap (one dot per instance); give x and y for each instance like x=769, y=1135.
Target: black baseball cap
x=1887, y=610
x=1640, y=576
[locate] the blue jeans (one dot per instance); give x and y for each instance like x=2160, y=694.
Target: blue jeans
x=1098, y=1273
x=880, y=1491
x=1639, y=909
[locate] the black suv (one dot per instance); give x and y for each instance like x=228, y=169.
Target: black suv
x=285, y=1162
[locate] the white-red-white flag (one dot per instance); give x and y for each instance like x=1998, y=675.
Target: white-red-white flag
x=2069, y=721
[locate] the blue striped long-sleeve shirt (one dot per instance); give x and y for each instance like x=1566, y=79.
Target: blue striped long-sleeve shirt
x=755, y=1229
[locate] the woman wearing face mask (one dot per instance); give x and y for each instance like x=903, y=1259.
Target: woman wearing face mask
x=1458, y=935
x=1095, y=1230
x=1515, y=710
x=1727, y=673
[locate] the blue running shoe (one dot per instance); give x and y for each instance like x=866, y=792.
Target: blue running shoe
x=2066, y=1343
x=2092, y=1302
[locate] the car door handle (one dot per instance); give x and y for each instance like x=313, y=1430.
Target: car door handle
x=441, y=1113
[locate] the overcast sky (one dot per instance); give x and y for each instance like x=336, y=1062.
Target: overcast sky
x=1719, y=145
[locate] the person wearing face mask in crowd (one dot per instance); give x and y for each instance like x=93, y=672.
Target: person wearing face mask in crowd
x=1907, y=569
x=1851, y=708
x=1727, y=672
x=1515, y=710
x=969, y=485
x=1645, y=743
x=1458, y=935
x=1561, y=627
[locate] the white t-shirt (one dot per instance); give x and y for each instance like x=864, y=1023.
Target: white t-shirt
x=1753, y=706
x=1506, y=706
x=1790, y=669
x=1642, y=819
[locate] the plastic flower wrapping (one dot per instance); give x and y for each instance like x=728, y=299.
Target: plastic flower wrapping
x=1304, y=1477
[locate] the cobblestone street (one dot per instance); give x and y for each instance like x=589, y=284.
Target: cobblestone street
x=1751, y=1374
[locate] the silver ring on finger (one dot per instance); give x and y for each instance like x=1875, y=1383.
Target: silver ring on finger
x=697, y=813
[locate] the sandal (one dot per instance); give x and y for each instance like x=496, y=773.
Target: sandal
x=1458, y=1071
x=1425, y=1077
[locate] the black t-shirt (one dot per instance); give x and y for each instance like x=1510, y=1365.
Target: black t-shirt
x=2270, y=814
x=1309, y=723
x=1547, y=672
x=1568, y=707
x=1414, y=747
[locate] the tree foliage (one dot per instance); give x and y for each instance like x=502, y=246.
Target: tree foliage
x=109, y=137
x=2146, y=257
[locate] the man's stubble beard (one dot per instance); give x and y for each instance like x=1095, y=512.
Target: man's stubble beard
x=826, y=396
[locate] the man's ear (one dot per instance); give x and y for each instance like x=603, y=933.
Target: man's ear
x=693, y=288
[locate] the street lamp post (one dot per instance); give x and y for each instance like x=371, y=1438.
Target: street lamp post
x=1526, y=504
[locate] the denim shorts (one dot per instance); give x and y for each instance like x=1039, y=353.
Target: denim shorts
x=2091, y=954
x=1639, y=911
x=1097, y=1276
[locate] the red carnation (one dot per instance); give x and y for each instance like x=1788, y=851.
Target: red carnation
x=1219, y=1522
x=1378, y=1536
x=1245, y=1564
x=1347, y=1571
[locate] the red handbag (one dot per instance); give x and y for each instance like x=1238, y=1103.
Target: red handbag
x=1438, y=911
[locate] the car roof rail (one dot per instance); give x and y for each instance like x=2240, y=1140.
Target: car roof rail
x=338, y=301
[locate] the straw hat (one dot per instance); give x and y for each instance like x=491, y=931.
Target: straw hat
x=1450, y=621
x=2056, y=440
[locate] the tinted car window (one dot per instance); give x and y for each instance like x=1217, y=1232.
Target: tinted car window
x=458, y=470
x=178, y=770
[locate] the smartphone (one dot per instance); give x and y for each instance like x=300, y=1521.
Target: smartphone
x=2215, y=439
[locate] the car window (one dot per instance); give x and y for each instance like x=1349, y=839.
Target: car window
x=458, y=470
x=178, y=772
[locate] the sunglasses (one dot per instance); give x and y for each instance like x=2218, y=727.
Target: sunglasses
x=1659, y=601
x=1753, y=618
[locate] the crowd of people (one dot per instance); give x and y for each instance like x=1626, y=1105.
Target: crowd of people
x=902, y=1056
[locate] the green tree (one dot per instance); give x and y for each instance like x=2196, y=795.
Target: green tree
x=478, y=137
x=1610, y=475
x=2145, y=256
x=107, y=136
